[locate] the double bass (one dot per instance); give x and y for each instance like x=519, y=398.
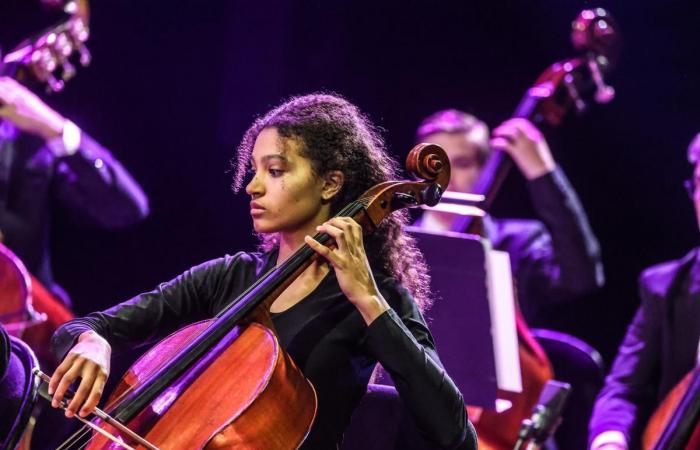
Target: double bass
x=565, y=85
x=269, y=403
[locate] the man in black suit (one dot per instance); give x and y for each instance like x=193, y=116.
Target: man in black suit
x=46, y=160
x=554, y=260
x=660, y=347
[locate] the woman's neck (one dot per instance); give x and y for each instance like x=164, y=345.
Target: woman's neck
x=291, y=241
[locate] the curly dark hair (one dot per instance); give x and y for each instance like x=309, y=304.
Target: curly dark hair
x=335, y=135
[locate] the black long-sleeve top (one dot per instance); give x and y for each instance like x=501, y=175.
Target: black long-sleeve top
x=324, y=334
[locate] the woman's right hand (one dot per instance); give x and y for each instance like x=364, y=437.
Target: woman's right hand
x=88, y=360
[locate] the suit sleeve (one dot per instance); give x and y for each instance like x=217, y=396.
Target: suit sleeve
x=629, y=394
x=564, y=260
x=97, y=189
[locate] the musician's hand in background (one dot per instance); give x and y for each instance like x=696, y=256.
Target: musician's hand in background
x=27, y=111
x=89, y=360
x=526, y=145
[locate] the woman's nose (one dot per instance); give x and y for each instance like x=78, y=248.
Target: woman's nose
x=253, y=187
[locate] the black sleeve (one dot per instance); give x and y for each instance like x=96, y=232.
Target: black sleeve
x=400, y=340
x=195, y=295
x=565, y=260
x=97, y=189
x=630, y=391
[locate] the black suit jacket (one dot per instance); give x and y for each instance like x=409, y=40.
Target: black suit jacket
x=91, y=184
x=660, y=347
x=553, y=260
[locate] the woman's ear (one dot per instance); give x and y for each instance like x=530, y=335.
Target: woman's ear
x=333, y=182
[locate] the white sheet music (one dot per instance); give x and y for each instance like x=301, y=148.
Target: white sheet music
x=503, y=329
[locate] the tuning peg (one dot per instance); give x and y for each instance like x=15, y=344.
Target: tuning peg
x=571, y=89
x=54, y=85
x=85, y=56
x=79, y=30
x=43, y=63
x=604, y=93
x=68, y=71
x=70, y=7
x=63, y=46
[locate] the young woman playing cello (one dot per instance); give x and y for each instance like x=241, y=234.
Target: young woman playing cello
x=357, y=305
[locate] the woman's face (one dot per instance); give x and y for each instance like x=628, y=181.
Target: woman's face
x=286, y=194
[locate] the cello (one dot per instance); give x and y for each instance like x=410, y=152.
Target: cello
x=565, y=85
x=674, y=424
x=268, y=402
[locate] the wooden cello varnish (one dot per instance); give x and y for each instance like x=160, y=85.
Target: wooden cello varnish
x=674, y=424
x=226, y=383
x=238, y=396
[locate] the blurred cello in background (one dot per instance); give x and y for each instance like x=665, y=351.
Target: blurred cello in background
x=674, y=424
x=27, y=309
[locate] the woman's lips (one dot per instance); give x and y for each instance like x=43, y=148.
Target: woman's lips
x=256, y=209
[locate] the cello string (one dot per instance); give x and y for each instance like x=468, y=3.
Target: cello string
x=349, y=210
x=105, y=433
x=75, y=438
x=72, y=439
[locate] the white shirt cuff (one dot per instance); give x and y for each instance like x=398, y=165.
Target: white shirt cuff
x=69, y=141
x=609, y=437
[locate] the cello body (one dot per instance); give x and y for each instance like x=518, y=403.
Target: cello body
x=253, y=395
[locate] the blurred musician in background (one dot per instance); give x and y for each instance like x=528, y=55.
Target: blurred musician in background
x=49, y=162
x=46, y=160
x=661, y=344
x=554, y=260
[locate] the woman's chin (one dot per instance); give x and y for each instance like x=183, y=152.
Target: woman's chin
x=261, y=227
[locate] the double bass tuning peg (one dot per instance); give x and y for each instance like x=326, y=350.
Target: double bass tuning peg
x=604, y=93
x=54, y=85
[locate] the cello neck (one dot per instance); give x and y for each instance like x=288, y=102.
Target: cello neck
x=262, y=292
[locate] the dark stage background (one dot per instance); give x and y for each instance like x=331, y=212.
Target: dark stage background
x=173, y=86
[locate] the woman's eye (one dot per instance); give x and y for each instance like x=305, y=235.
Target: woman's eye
x=275, y=172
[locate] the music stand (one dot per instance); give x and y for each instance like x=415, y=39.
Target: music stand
x=471, y=321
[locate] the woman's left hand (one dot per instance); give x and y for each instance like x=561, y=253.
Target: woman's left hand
x=351, y=266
